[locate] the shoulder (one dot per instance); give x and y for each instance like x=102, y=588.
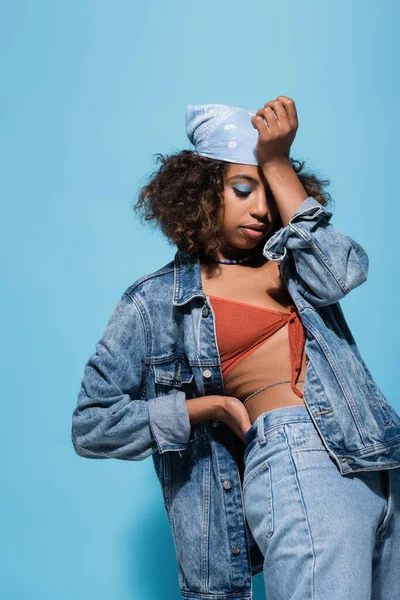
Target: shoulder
x=152, y=283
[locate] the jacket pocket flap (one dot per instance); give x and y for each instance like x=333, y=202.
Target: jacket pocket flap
x=175, y=373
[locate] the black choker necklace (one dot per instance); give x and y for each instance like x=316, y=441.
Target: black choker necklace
x=226, y=261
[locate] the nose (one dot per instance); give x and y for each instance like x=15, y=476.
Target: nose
x=259, y=206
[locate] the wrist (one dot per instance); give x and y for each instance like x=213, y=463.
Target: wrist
x=273, y=164
x=205, y=408
x=218, y=407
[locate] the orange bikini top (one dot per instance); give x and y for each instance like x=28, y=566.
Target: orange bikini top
x=242, y=328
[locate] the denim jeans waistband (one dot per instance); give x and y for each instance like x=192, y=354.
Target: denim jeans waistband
x=268, y=421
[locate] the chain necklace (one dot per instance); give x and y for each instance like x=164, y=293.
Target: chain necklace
x=268, y=386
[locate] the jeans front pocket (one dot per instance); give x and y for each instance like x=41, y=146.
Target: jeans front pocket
x=250, y=440
x=258, y=504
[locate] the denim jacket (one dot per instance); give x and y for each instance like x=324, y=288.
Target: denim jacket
x=159, y=348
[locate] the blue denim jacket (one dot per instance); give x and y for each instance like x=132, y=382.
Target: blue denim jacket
x=159, y=348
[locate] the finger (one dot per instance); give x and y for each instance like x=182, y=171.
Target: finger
x=268, y=115
x=259, y=124
x=279, y=110
x=290, y=108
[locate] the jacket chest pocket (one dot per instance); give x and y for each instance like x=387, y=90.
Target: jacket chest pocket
x=172, y=376
x=176, y=376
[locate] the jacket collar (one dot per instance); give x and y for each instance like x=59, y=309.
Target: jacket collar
x=187, y=278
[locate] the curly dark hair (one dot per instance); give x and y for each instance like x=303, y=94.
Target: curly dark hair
x=184, y=195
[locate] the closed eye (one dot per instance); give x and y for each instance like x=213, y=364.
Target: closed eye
x=241, y=194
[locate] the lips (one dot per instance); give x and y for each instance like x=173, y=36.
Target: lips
x=253, y=232
x=255, y=226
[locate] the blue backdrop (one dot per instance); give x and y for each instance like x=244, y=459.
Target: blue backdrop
x=90, y=91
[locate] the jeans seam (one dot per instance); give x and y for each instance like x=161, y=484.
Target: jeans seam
x=295, y=473
x=270, y=533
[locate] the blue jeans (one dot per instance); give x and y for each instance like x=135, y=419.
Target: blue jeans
x=323, y=535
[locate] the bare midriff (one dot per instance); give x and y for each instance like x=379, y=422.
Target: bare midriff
x=268, y=364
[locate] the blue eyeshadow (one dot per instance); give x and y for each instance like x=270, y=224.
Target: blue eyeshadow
x=242, y=187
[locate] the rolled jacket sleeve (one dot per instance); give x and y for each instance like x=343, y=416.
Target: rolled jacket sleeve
x=112, y=419
x=328, y=263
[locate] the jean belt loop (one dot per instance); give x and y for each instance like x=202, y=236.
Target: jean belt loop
x=260, y=429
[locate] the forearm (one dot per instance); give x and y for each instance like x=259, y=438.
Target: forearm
x=329, y=264
x=204, y=408
x=286, y=187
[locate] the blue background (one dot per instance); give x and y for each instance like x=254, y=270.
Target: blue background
x=90, y=91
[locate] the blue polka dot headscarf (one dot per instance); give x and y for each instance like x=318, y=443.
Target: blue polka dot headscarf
x=222, y=132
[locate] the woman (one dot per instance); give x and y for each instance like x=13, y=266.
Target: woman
x=234, y=368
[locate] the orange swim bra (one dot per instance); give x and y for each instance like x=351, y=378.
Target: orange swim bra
x=242, y=328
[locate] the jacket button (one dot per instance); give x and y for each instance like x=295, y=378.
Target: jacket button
x=215, y=422
x=205, y=311
x=235, y=549
x=227, y=484
x=207, y=373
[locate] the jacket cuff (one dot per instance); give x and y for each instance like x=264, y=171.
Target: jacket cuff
x=309, y=210
x=169, y=421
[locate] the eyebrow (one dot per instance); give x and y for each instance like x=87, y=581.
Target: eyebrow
x=244, y=176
